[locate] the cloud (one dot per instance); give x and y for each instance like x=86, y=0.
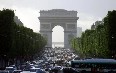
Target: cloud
x=29, y=17
x=89, y=11
x=6, y=3
x=86, y=20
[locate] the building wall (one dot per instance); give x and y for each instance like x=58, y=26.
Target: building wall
x=17, y=21
x=51, y=18
x=79, y=31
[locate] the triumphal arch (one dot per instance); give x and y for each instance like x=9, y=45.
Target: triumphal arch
x=66, y=19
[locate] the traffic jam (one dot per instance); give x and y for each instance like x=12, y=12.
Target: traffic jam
x=52, y=60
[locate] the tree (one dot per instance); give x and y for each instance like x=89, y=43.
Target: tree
x=110, y=23
x=17, y=42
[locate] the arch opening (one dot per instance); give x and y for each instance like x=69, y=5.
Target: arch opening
x=58, y=36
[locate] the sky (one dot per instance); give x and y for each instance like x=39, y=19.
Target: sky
x=89, y=11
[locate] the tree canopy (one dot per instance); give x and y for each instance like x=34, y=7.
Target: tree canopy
x=18, y=42
x=99, y=42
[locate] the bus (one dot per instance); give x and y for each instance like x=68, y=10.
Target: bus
x=94, y=65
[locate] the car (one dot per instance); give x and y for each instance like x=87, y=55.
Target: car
x=13, y=66
x=40, y=71
x=10, y=69
x=56, y=68
x=34, y=69
x=4, y=71
x=17, y=71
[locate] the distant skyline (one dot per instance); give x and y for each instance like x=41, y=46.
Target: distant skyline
x=89, y=11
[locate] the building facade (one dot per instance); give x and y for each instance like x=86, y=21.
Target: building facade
x=66, y=19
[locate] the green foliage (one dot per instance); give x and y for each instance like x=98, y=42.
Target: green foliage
x=18, y=42
x=6, y=20
x=110, y=23
x=92, y=43
x=100, y=42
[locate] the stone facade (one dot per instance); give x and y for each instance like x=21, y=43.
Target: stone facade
x=51, y=18
x=94, y=26
x=17, y=21
x=79, y=31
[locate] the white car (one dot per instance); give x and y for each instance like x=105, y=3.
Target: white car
x=10, y=69
x=34, y=69
x=17, y=71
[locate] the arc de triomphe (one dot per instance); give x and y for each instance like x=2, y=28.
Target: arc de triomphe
x=51, y=18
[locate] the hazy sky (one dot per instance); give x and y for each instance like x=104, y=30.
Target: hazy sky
x=89, y=11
